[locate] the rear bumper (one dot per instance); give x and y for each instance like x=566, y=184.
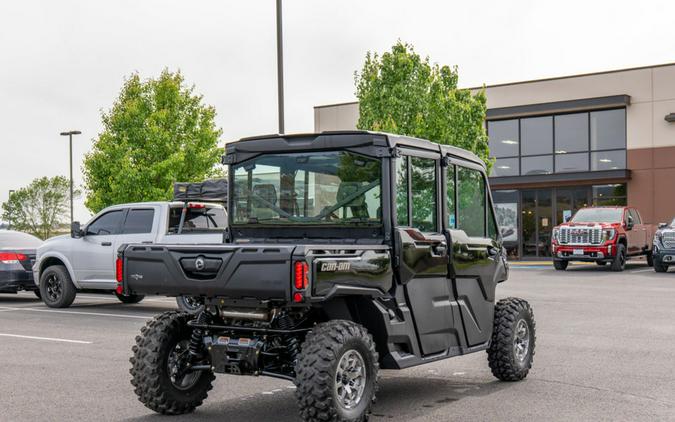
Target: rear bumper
x=590, y=253
x=12, y=281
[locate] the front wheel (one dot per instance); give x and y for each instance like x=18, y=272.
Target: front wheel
x=659, y=267
x=129, y=298
x=511, y=350
x=336, y=373
x=560, y=265
x=650, y=259
x=190, y=304
x=159, y=367
x=56, y=287
x=619, y=261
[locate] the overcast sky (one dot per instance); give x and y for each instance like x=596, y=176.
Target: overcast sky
x=62, y=62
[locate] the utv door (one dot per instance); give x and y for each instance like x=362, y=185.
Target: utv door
x=476, y=263
x=422, y=252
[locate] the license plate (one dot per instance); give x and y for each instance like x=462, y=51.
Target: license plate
x=578, y=252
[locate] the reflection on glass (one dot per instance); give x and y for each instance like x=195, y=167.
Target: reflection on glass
x=529, y=222
x=537, y=165
x=536, y=135
x=505, y=167
x=544, y=221
x=506, y=210
x=608, y=129
x=608, y=160
x=566, y=163
x=571, y=133
x=450, y=195
x=402, y=191
x=423, y=175
x=503, y=138
x=471, y=207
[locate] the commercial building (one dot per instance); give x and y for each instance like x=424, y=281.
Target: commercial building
x=563, y=143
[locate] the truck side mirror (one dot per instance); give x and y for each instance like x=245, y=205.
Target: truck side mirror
x=629, y=223
x=663, y=225
x=75, y=230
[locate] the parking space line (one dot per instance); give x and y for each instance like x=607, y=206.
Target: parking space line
x=143, y=317
x=63, y=340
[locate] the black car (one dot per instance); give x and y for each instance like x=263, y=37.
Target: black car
x=17, y=254
x=664, y=247
x=346, y=253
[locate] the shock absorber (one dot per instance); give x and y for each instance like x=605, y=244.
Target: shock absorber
x=195, y=346
x=291, y=342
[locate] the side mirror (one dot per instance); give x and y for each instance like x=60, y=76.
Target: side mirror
x=629, y=223
x=663, y=225
x=567, y=218
x=75, y=230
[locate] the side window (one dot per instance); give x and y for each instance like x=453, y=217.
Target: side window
x=108, y=223
x=493, y=228
x=636, y=216
x=139, y=221
x=471, y=198
x=423, y=184
x=450, y=195
x=402, y=191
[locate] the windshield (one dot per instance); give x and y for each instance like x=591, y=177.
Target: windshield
x=333, y=187
x=598, y=215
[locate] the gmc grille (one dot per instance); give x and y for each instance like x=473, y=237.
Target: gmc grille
x=580, y=235
x=668, y=239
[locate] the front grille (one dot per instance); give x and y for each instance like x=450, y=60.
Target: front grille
x=580, y=235
x=668, y=239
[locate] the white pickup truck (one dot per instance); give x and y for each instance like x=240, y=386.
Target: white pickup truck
x=85, y=260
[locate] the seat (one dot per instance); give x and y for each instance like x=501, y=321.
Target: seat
x=267, y=192
x=357, y=206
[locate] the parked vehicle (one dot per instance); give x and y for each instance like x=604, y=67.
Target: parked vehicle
x=17, y=254
x=346, y=252
x=86, y=258
x=664, y=247
x=602, y=235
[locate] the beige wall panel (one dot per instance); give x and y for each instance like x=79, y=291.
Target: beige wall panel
x=664, y=132
x=639, y=126
x=636, y=83
x=664, y=83
x=327, y=119
x=347, y=116
x=337, y=117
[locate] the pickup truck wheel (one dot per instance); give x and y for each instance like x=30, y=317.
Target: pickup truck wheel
x=129, y=298
x=619, y=261
x=190, y=304
x=560, y=265
x=336, y=373
x=650, y=259
x=659, y=267
x=511, y=350
x=158, y=367
x=56, y=287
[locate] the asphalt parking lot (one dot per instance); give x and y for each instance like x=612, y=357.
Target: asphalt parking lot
x=605, y=348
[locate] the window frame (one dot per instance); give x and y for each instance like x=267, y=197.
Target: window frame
x=128, y=212
x=409, y=154
x=120, y=225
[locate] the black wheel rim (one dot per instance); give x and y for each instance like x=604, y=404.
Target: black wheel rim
x=177, y=367
x=192, y=302
x=53, y=287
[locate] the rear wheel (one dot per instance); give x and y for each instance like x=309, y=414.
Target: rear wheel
x=560, y=265
x=159, y=367
x=336, y=373
x=659, y=266
x=511, y=350
x=56, y=287
x=619, y=261
x=129, y=298
x=190, y=304
x=650, y=259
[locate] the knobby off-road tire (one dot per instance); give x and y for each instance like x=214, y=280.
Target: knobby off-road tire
x=560, y=265
x=129, y=298
x=160, y=340
x=56, y=287
x=336, y=373
x=619, y=261
x=511, y=350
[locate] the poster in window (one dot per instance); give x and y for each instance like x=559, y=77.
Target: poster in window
x=507, y=219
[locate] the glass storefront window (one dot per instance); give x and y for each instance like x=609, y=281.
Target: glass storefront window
x=506, y=209
x=537, y=165
x=610, y=194
x=567, y=163
x=608, y=160
x=571, y=133
x=503, y=138
x=505, y=167
x=608, y=129
x=536, y=134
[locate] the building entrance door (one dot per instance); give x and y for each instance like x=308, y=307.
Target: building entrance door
x=537, y=222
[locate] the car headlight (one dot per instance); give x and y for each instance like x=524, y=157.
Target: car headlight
x=609, y=234
x=555, y=234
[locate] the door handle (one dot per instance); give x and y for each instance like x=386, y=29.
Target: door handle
x=106, y=243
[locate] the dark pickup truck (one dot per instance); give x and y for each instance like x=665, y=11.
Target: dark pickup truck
x=345, y=252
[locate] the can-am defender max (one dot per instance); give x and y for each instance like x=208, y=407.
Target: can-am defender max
x=346, y=252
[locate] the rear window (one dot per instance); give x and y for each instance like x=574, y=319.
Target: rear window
x=198, y=219
x=18, y=240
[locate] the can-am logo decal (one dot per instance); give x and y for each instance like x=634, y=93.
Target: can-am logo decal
x=136, y=276
x=335, y=266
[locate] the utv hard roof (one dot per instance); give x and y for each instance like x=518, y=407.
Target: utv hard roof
x=342, y=139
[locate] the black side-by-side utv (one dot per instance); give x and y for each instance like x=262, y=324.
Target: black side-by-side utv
x=346, y=252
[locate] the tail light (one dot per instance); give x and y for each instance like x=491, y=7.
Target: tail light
x=12, y=257
x=301, y=275
x=119, y=275
x=192, y=205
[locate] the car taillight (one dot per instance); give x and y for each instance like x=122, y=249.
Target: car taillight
x=301, y=279
x=196, y=206
x=12, y=257
x=119, y=267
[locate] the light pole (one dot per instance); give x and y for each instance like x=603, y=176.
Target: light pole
x=280, y=68
x=70, y=134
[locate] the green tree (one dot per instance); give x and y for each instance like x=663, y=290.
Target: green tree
x=399, y=92
x=158, y=131
x=41, y=208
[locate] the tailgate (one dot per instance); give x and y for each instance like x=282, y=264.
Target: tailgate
x=233, y=271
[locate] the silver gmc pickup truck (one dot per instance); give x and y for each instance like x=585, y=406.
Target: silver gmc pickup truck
x=85, y=260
